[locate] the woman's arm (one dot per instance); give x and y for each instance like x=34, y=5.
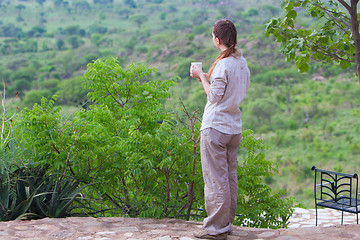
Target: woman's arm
x=205, y=82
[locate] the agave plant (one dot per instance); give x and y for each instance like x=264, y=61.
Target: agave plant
x=60, y=192
x=15, y=198
x=28, y=192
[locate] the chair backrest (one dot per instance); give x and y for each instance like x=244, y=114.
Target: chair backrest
x=335, y=186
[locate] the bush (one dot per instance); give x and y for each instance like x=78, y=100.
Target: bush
x=94, y=28
x=34, y=96
x=355, y=148
x=200, y=29
x=72, y=92
x=162, y=16
x=258, y=206
x=180, y=25
x=252, y=12
x=10, y=30
x=50, y=84
x=142, y=49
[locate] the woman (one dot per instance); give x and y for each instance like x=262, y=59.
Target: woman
x=226, y=85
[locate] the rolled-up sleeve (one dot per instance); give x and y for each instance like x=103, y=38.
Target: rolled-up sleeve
x=218, y=84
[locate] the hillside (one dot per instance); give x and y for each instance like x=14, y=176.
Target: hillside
x=307, y=119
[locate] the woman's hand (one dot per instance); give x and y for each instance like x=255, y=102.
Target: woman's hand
x=196, y=72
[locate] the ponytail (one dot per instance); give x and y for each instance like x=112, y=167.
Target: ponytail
x=224, y=54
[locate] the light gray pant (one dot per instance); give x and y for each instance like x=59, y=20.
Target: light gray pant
x=219, y=162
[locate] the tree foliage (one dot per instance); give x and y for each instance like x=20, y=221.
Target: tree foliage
x=281, y=79
x=258, y=206
x=336, y=40
x=139, y=19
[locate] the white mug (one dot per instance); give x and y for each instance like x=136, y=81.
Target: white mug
x=197, y=63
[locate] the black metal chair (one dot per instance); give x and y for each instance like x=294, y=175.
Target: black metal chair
x=337, y=191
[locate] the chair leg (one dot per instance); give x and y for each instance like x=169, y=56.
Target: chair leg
x=357, y=218
x=316, y=215
x=342, y=217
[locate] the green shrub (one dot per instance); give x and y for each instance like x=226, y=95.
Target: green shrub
x=338, y=167
x=200, y=29
x=355, y=148
x=259, y=207
x=71, y=92
x=142, y=49
x=35, y=96
x=307, y=136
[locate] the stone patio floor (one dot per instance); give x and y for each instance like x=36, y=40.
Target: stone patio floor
x=302, y=226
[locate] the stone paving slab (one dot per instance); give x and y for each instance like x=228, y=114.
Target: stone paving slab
x=302, y=218
x=301, y=227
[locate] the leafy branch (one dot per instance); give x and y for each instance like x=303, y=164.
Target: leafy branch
x=325, y=44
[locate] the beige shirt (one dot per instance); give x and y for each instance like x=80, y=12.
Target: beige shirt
x=229, y=84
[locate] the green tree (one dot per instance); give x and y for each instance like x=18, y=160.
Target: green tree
x=273, y=10
x=19, y=7
x=336, y=40
x=139, y=19
x=103, y=1
x=282, y=79
x=42, y=18
x=29, y=46
x=252, y=12
x=21, y=80
x=82, y=6
x=36, y=32
x=96, y=39
x=25, y=73
x=125, y=113
x=101, y=17
x=50, y=84
x=200, y=29
x=72, y=92
x=58, y=3
x=164, y=39
x=40, y=2
x=94, y=28
x=72, y=30
x=131, y=3
x=10, y=30
x=162, y=16
x=74, y=41
x=20, y=86
x=60, y=44
x=264, y=109
x=199, y=17
x=34, y=96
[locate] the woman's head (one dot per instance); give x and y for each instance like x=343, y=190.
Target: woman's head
x=226, y=32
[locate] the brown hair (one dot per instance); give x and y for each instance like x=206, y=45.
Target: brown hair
x=225, y=30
